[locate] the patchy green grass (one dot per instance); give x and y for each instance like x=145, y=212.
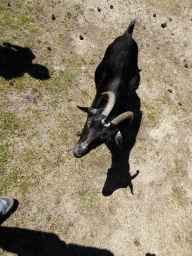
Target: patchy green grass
x=10, y=180
x=85, y=94
x=88, y=196
x=189, y=239
x=84, y=61
x=169, y=6
x=9, y=126
x=92, y=62
x=13, y=127
x=180, y=167
x=180, y=194
x=25, y=185
x=148, y=79
x=3, y=7
x=82, y=193
x=5, y=156
x=165, y=98
x=151, y=113
x=68, y=15
x=31, y=156
x=59, y=83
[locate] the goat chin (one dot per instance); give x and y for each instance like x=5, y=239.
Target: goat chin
x=76, y=154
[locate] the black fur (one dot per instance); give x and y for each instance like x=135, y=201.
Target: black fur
x=118, y=72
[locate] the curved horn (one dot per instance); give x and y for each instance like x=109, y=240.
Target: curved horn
x=90, y=111
x=123, y=117
x=110, y=104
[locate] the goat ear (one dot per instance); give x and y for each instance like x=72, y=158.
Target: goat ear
x=90, y=111
x=119, y=139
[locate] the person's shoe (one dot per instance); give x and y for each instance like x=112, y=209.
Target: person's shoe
x=6, y=204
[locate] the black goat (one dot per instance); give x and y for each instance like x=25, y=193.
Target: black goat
x=114, y=117
x=116, y=78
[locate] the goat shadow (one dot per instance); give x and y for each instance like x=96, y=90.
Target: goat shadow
x=24, y=242
x=118, y=175
x=16, y=60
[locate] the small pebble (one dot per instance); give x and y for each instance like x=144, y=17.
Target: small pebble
x=98, y=9
x=154, y=15
x=169, y=90
x=53, y=17
x=170, y=19
x=186, y=66
x=137, y=242
x=180, y=104
x=111, y=6
x=49, y=48
x=9, y=4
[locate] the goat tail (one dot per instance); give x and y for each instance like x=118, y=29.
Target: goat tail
x=129, y=30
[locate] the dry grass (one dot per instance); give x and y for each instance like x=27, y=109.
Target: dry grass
x=171, y=7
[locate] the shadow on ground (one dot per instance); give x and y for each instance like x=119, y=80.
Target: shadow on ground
x=16, y=60
x=118, y=175
x=24, y=242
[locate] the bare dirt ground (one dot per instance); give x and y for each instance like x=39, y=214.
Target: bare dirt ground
x=62, y=210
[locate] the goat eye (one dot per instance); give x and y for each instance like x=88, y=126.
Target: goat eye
x=88, y=123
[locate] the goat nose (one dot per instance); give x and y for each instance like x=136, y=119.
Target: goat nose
x=80, y=149
x=76, y=154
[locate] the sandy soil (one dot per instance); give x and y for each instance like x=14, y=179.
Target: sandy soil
x=66, y=210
